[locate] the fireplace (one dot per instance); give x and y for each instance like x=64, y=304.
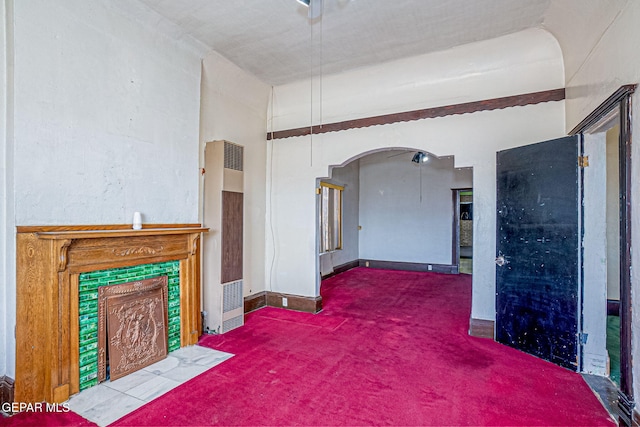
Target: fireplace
x=52, y=263
x=132, y=326
x=91, y=283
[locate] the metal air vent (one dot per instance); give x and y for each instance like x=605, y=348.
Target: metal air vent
x=232, y=323
x=232, y=296
x=233, y=156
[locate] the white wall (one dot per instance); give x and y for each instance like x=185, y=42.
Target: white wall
x=106, y=120
x=7, y=225
x=106, y=117
x=406, y=209
x=599, y=46
x=234, y=108
x=516, y=63
x=609, y=60
x=520, y=63
x=595, y=256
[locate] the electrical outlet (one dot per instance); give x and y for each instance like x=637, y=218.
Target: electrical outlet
x=430, y=267
x=366, y=264
x=285, y=302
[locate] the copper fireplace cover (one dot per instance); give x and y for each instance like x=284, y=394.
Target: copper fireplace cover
x=135, y=316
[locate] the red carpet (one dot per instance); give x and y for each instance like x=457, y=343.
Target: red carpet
x=45, y=419
x=389, y=348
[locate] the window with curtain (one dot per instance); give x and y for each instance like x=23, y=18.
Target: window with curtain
x=330, y=217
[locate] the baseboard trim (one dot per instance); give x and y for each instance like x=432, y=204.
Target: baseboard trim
x=295, y=302
x=481, y=328
x=274, y=299
x=314, y=304
x=613, y=307
x=342, y=268
x=409, y=266
x=6, y=390
x=255, y=301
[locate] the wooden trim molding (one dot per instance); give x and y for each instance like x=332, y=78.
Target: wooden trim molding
x=342, y=268
x=409, y=266
x=49, y=263
x=621, y=100
x=427, y=113
x=255, y=301
x=603, y=109
x=626, y=223
x=295, y=302
x=6, y=390
x=55, y=228
x=481, y=328
x=274, y=299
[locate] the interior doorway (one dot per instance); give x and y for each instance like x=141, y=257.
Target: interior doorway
x=610, y=125
x=463, y=230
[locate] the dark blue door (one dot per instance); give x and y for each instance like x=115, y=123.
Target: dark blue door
x=537, y=272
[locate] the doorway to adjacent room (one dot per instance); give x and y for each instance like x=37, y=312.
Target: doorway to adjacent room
x=463, y=230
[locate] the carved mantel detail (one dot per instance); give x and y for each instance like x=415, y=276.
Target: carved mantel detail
x=141, y=250
x=62, y=258
x=49, y=262
x=195, y=242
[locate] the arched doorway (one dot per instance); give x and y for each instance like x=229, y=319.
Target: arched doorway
x=396, y=211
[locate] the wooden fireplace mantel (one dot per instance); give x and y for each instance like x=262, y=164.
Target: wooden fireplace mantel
x=49, y=262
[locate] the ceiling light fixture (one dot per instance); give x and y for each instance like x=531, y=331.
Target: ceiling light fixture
x=420, y=157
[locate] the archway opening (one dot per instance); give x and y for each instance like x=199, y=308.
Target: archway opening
x=395, y=211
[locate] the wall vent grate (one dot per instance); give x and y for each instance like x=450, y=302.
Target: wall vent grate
x=232, y=323
x=232, y=296
x=233, y=156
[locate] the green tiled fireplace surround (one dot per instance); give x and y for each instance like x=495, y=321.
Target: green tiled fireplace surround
x=88, y=309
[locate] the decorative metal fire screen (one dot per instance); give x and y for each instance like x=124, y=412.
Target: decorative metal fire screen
x=133, y=317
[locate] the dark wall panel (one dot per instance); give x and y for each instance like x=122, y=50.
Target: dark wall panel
x=232, y=206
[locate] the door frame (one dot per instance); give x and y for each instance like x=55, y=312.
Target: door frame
x=621, y=100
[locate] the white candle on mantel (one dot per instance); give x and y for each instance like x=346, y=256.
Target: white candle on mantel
x=137, y=221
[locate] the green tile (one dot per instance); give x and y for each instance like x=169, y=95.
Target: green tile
x=86, y=296
x=174, y=344
x=88, y=357
x=88, y=308
x=85, y=383
x=89, y=367
x=88, y=347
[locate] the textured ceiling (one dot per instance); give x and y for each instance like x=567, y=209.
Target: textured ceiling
x=274, y=40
